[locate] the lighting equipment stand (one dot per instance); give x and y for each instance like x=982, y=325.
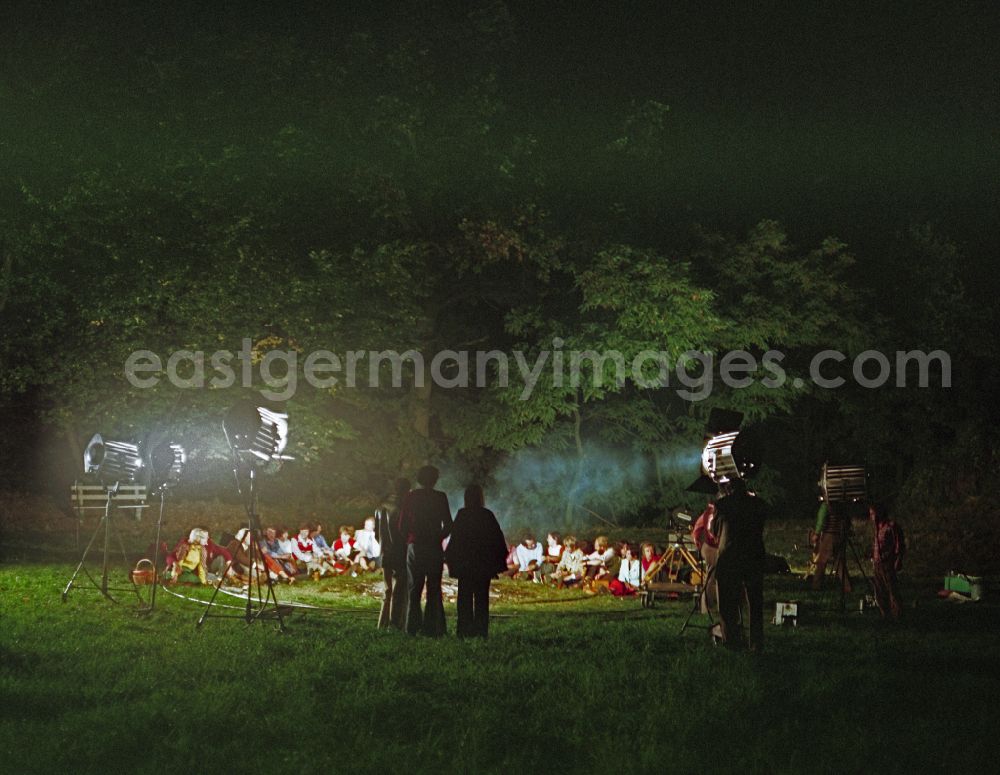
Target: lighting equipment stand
x=701, y=593
x=105, y=523
x=263, y=604
x=847, y=542
x=145, y=611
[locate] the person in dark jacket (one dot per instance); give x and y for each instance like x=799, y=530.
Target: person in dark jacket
x=393, y=545
x=739, y=524
x=424, y=522
x=477, y=552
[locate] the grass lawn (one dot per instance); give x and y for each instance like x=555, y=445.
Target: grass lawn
x=563, y=684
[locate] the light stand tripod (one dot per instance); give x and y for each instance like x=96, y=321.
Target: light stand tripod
x=840, y=565
x=166, y=460
x=156, y=556
x=262, y=605
x=701, y=594
x=105, y=523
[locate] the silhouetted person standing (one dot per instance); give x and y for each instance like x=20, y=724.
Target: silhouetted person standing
x=739, y=570
x=425, y=521
x=393, y=545
x=477, y=552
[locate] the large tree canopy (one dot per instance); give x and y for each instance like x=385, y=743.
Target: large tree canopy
x=364, y=184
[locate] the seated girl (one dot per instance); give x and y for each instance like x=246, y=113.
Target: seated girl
x=572, y=564
x=648, y=560
x=321, y=547
x=311, y=561
x=345, y=551
x=285, y=545
x=275, y=569
x=189, y=561
x=279, y=551
x=369, y=549
x=629, y=574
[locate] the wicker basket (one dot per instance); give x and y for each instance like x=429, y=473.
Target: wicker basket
x=144, y=573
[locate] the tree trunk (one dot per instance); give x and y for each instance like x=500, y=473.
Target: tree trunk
x=6, y=271
x=578, y=473
x=72, y=437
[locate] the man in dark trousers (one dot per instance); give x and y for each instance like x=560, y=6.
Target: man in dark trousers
x=424, y=522
x=393, y=546
x=477, y=552
x=739, y=570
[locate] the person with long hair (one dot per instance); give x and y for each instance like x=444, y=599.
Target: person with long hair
x=626, y=584
x=476, y=553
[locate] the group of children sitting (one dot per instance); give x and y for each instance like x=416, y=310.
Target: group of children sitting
x=566, y=562
x=281, y=556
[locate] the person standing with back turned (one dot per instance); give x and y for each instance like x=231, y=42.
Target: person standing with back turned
x=476, y=553
x=424, y=522
x=739, y=524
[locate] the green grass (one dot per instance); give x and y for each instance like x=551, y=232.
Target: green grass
x=583, y=685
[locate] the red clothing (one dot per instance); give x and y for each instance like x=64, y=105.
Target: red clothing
x=701, y=531
x=620, y=589
x=306, y=547
x=214, y=550
x=338, y=545
x=889, y=547
x=647, y=563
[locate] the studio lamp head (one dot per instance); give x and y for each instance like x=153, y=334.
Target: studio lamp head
x=726, y=455
x=113, y=462
x=843, y=483
x=256, y=433
x=165, y=462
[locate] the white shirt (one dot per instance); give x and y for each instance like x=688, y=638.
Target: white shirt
x=598, y=558
x=525, y=556
x=366, y=543
x=306, y=553
x=629, y=572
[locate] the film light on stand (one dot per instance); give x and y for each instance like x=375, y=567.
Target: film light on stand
x=113, y=462
x=256, y=431
x=843, y=483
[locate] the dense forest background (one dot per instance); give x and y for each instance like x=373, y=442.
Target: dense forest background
x=494, y=175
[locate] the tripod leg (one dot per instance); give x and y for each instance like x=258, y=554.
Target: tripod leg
x=83, y=559
x=270, y=596
x=156, y=554
x=215, y=592
x=107, y=541
x=121, y=545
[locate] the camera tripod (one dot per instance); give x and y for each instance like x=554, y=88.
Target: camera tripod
x=106, y=524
